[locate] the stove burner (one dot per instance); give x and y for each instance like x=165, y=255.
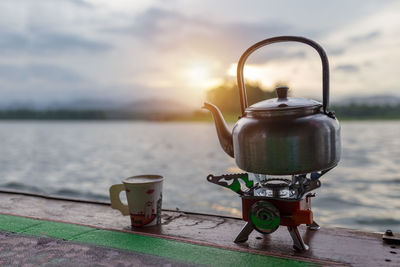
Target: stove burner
x=271, y=202
x=275, y=187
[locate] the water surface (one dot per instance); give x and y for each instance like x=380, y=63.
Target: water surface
x=82, y=159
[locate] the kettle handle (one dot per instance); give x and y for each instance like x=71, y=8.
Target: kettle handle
x=324, y=59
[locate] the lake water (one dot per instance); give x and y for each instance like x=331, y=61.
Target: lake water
x=82, y=159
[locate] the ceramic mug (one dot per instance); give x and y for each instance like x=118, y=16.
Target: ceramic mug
x=144, y=196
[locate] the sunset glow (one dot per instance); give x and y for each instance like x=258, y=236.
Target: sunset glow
x=73, y=50
x=255, y=73
x=199, y=75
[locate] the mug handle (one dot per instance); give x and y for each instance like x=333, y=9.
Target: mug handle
x=116, y=203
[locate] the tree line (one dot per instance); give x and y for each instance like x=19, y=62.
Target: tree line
x=226, y=97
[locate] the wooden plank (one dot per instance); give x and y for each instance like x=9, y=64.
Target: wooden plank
x=329, y=246
x=77, y=240
x=27, y=250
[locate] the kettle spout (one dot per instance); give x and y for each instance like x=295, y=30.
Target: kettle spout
x=224, y=134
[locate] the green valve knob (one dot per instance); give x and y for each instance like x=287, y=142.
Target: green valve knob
x=265, y=217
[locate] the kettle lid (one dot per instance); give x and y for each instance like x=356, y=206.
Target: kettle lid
x=283, y=105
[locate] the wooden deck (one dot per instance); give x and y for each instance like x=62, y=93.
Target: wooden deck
x=328, y=246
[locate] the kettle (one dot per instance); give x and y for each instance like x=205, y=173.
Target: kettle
x=283, y=135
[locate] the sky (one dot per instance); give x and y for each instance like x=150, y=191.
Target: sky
x=55, y=51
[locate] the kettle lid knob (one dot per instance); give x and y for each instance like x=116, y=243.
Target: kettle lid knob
x=282, y=92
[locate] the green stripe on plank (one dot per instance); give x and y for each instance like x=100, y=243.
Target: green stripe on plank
x=143, y=244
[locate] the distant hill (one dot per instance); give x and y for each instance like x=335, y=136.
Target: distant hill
x=368, y=107
x=375, y=100
x=157, y=106
x=147, y=109
x=376, y=107
x=139, y=106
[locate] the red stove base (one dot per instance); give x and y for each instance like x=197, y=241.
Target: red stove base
x=290, y=213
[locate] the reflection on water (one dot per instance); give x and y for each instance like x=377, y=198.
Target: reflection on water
x=82, y=159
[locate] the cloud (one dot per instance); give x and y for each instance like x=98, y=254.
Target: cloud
x=347, y=68
x=336, y=51
x=43, y=84
x=365, y=37
x=13, y=42
x=59, y=42
x=42, y=42
x=172, y=31
x=80, y=3
x=83, y=47
x=38, y=72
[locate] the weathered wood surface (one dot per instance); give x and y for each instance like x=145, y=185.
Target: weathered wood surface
x=25, y=250
x=329, y=246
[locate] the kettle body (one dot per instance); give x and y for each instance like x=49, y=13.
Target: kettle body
x=284, y=135
x=285, y=146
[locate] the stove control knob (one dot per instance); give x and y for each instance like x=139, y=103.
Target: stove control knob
x=265, y=217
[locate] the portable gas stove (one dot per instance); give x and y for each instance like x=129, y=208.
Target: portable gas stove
x=284, y=136
x=268, y=203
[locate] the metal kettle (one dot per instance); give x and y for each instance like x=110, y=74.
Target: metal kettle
x=284, y=135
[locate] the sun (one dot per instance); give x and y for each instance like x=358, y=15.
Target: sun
x=198, y=72
x=199, y=75
x=253, y=73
